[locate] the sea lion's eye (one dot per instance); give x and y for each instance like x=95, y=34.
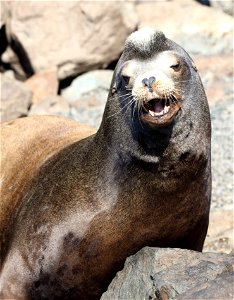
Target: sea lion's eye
x=126, y=79
x=175, y=67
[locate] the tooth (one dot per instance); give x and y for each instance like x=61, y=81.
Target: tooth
x=151, y=113
x=159, y=114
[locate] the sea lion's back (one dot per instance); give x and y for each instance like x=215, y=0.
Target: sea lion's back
x=26, y=144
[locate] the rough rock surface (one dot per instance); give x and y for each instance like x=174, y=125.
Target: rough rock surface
x=155, y=273
x=216, y=72
x=51, y=105
x=74, y=36
x=219, y=289
x=217, y=76
x=226, y=6
x=199, y=29
x=43, y=84
x=222, y=154
x=15, y=98
x=87, y=96
x=220, y=237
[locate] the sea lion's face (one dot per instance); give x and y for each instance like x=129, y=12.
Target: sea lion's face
x=155, y=85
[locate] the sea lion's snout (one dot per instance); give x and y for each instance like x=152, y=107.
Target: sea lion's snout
x=158, y=97
x=156, y=86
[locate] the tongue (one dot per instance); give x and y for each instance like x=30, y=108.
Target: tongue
x=158, y=107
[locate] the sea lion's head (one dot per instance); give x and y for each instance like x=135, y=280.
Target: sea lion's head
x=154, y=75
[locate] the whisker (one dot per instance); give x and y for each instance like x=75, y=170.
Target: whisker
x=123, y=100
x=125, y=95
x=139, y=107
x=128, y=104
x=134, y=108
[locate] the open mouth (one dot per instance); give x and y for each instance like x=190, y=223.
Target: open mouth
x=157, y=107
x=160, y=111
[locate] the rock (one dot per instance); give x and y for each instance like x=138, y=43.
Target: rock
x=9, y=58
x=87, y=96
x=43, y=84
x=222, y=153
x=155, y=273
x=220, y=288
x=220, y=232
x=13, y=54
x=9, y=74
x=51, y=105
x=16, y=97
x=73, y=36
x=218, y=88
x=199, y=29
x=217, y=76
x=226, y=6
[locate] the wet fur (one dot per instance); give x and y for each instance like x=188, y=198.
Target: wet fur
x=100, y=199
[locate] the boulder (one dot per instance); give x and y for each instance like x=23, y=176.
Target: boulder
x=197, y=28
x=226, y=6
x=16, y=98
x=43, y=84
x=87, y=96
x=51, y=105
x=12, y=52
x=218, y=88
x=73, y=36
x=164, y=273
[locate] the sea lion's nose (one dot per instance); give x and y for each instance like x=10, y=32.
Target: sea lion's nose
x=148, y=82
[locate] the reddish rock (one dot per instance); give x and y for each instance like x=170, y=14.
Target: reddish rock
x=43, y=84
x=218, y=87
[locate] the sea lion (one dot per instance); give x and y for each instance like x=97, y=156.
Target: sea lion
x=143, y=179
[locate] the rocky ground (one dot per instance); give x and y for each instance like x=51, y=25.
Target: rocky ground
x=58, y=58
x=163, y=274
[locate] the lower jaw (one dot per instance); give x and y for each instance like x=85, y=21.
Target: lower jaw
x=159, y=121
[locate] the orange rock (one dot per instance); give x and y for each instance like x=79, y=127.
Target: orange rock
x=43, y=84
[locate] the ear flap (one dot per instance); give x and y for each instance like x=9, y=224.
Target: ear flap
x=113, y=89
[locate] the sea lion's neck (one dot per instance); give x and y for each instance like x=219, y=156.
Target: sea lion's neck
x=130, y=138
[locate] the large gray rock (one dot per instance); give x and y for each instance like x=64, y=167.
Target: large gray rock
x=199, y=29
x=16, y=97
x=74, y=36
x=155, y=273
x=87, y=96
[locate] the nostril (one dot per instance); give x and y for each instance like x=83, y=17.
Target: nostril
x=145, y=81
x=151, y=80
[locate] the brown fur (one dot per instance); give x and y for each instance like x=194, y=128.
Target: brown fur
x=26, y=144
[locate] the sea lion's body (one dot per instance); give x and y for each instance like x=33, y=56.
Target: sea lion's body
x=136, y=182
